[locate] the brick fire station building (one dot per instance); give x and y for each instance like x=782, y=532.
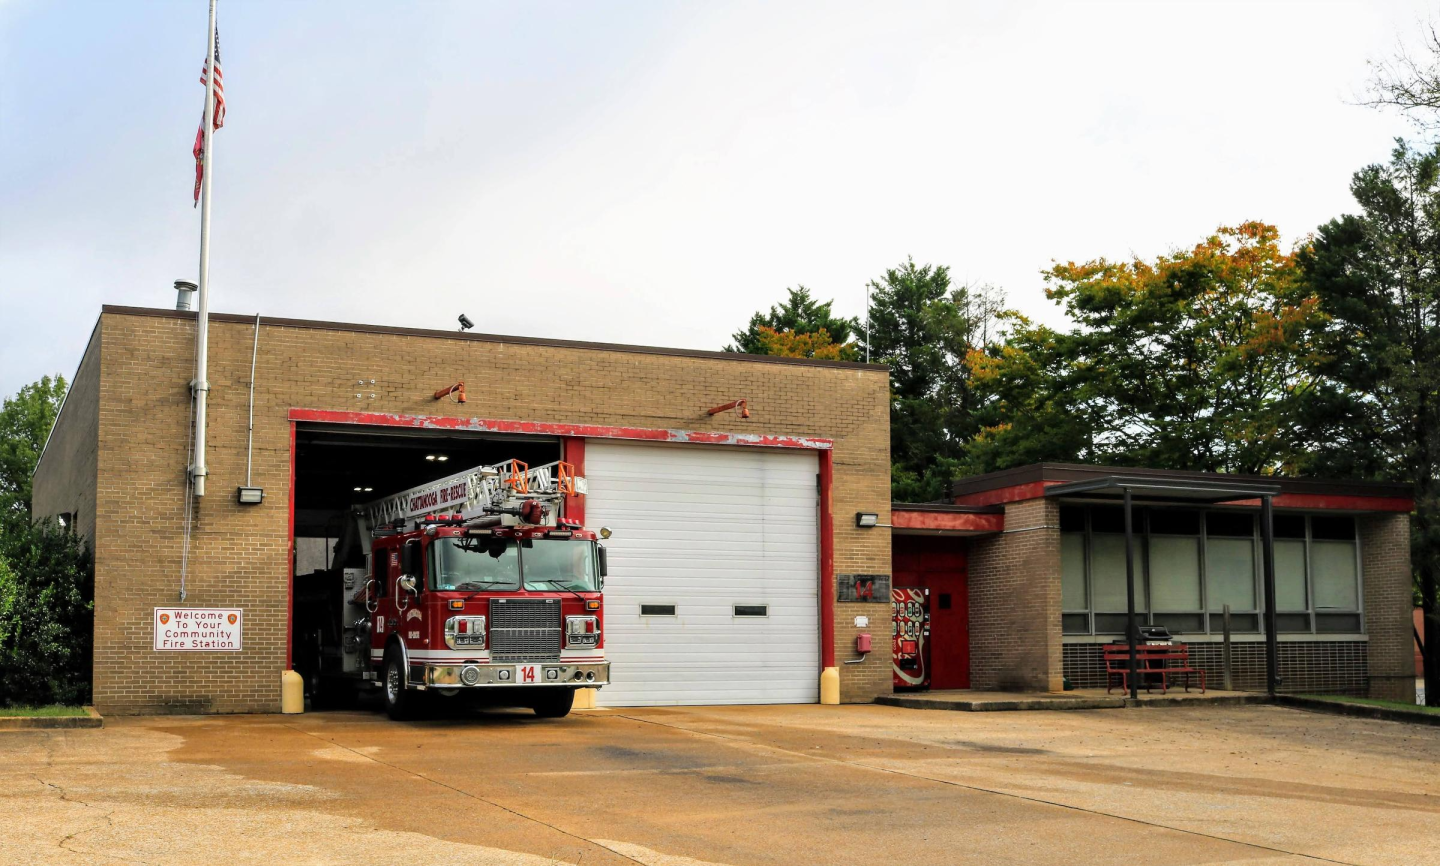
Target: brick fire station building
x=748, y=552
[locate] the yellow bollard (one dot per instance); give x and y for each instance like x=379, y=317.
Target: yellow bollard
x=292, y=693
x=584, y=699
x=830, y=686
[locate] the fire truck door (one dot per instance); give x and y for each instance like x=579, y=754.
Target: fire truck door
x=910, y=607
x=383, y=618
x=410, y=615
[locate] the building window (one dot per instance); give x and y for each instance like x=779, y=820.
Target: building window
x=1189, y=564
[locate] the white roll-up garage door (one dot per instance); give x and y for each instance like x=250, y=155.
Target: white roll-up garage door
x=712, y=596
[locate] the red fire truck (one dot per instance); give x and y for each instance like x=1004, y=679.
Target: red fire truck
x=475, y=585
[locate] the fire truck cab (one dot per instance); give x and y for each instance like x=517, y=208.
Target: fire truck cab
x=493, y=594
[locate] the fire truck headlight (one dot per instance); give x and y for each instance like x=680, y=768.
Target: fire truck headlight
x=582, y=631
x=465, y=632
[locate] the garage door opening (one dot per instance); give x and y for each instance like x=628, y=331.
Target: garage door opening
x=338, y=468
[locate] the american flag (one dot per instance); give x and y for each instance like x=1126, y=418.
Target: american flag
x=199, y=149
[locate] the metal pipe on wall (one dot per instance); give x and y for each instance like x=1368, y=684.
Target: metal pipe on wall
x=250, y=428
x=1131, y=628
x=1267, y=560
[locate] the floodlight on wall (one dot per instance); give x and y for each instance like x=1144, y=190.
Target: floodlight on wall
x=867, y=519
x=250, y=495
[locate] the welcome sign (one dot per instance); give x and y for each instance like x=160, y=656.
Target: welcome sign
x=198, y=628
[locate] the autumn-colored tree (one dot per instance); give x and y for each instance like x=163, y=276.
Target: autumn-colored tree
x=800, y=313
x=790, y=344
x=1193, y=361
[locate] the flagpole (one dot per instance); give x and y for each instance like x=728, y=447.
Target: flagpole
x=201, y=384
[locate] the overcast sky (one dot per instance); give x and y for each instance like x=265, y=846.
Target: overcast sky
x=649, y=172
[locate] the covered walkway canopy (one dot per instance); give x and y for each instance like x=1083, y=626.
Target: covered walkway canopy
x=1179, y=489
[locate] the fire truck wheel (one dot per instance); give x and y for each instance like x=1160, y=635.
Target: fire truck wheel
x=399, y=701
x=553, y=704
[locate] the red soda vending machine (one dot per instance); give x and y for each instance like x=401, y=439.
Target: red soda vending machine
x=910, y=630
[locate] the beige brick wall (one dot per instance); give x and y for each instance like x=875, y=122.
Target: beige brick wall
x=1015, y=602
x=64, y=480
x=239, y=555
x=1389, y=600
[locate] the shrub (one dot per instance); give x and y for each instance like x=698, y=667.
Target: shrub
x=46, y=614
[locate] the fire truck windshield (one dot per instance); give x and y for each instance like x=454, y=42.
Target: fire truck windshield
x=496, y=564
x=552, y=563
x=474, y=564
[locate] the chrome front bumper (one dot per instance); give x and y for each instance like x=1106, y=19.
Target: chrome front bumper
x=441, y=676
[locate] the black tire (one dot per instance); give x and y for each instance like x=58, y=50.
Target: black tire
x=553, y=703
x=399, y=701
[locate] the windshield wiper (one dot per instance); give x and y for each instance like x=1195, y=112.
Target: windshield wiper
x=556, y=584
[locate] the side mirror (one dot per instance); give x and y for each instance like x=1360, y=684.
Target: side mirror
x=604, y=562
x=407, y=584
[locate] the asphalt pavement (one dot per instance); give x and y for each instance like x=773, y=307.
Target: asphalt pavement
x=728, y=785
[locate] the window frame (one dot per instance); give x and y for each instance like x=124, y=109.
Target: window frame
x=1210, y=619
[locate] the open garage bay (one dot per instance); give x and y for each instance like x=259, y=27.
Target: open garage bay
x=776, y=784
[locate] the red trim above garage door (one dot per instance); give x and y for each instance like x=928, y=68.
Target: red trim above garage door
x=543, y=428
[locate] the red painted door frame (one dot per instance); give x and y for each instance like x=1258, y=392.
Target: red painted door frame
x=572, y=438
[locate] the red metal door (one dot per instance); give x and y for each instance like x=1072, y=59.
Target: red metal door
x=939, y=565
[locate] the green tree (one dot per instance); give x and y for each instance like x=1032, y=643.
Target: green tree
x=25, y=422
x=799, y=313
x=1377, y=279
x=46, y=623
x=923, y=329
x=1194, y=361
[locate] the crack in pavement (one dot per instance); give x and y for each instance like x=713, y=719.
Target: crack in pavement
x=65, y=797
x=983, y=790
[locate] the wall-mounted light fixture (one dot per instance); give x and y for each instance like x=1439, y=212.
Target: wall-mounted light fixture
x=867, y=519
x=250, y=495
x=741, y=407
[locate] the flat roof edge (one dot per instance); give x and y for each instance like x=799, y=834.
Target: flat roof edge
x=162, y=313
x=1063, y=473
x=948, y=508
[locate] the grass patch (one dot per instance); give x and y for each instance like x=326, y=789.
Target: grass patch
x=50, y=711
x=1374, y=702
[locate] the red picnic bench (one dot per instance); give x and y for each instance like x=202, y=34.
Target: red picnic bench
x=1153, y=661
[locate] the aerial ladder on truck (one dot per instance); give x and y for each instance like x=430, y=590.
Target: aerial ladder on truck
x=476, y=583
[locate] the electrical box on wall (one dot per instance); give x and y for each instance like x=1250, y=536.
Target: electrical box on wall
x=862, y=643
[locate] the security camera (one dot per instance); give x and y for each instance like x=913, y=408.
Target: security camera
x=465, y=323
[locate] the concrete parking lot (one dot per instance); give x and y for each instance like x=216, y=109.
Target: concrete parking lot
x=732, y=785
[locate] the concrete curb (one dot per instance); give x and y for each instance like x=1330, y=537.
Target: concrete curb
x=1193, y=701
x=1363, y=711
x=985, y=706
x=91, y=719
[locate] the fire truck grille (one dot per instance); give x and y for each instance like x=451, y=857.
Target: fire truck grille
x=525, y=630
